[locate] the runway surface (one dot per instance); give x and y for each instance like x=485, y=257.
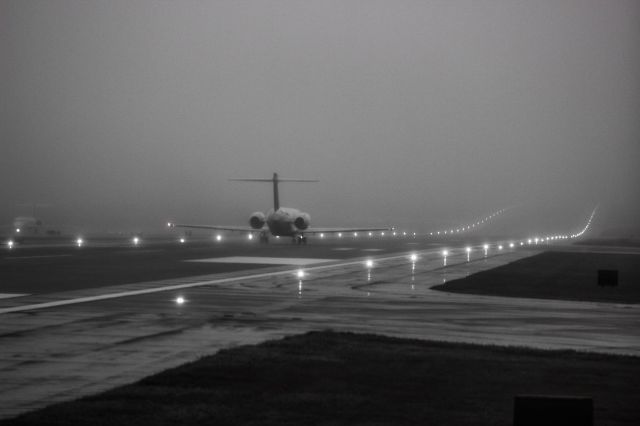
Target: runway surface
x=44, y=269
x=109, y=326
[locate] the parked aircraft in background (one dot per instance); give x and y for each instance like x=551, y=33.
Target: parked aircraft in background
x=279, y=221
x=25, y=226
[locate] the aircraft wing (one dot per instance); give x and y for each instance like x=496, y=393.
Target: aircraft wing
x=336, y=230
x=214, y=227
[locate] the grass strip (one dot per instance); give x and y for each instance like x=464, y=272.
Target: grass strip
x=330, y=378
x=557, y=275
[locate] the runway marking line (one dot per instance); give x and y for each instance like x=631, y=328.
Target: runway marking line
x=10, y=295
x=263, y=260
x=186, y=285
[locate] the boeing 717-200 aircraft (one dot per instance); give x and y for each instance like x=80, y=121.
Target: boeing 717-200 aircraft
x=279, y=221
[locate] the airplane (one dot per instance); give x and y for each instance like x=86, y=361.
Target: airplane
x=279, y=221
x=27, y=225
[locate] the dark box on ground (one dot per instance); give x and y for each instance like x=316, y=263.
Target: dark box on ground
x=552, y=410
x=607, y=277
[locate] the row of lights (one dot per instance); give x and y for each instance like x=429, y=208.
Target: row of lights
x=250, y=236
x=413, y=258
x=79, y=242
x=587, y=226
x=468, y=227
x=551, y=238
x=372, y=234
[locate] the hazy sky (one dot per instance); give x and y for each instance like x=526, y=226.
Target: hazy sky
x=414, y=113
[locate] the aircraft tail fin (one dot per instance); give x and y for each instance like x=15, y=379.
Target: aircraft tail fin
x=275, y=180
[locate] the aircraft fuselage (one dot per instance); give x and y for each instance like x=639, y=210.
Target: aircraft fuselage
x=281, y=222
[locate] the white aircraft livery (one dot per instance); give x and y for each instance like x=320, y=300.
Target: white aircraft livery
x=279, y=221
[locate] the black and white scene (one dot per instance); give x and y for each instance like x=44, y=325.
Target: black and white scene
x=322, y=212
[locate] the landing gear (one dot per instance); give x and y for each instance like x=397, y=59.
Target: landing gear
x=300, y=239
x=264, y=238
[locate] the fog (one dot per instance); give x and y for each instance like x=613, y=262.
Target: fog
x=419, y=114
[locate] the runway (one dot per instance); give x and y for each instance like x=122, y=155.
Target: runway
x=44, y=269
x=59, y=345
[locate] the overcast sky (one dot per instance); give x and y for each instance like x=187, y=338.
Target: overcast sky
x=414, y=113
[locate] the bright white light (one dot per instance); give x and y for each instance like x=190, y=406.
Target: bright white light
x=136, y=241
x=369, y=263
x=339, y=234
x=321, y=235
x=250, y=236
x=370, y=234
x=182, y=240
x=10, y=244
x=445, y=253
x=404, y=233
x=413, y=257
x=18, y=230
x=79, y=242
x=500, y=247
x=355, y=234
x=218, y=237
x=169, y=224
x=485, y=247
x=300, y=273
x=529, y=241
x=511, y=245
x=394, y=233
x=382, y=233
x=180, y=300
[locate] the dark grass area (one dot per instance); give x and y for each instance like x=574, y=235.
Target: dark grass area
x=333, y=378
x=557, y=275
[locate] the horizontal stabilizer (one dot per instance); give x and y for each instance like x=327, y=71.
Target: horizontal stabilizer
x=271, y=180
x=275, y=180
